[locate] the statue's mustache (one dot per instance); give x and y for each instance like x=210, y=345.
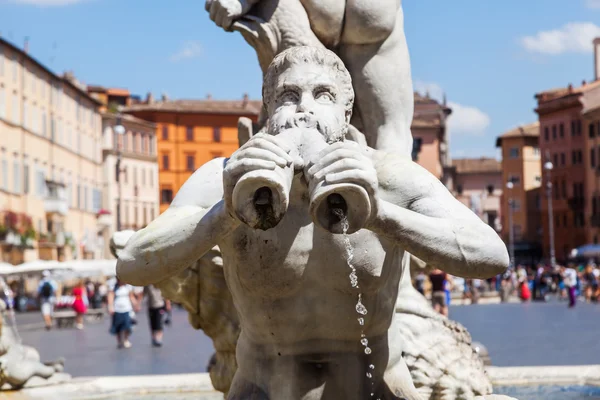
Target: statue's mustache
x=303, y=120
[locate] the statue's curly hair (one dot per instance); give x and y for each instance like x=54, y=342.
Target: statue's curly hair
x=307, y=54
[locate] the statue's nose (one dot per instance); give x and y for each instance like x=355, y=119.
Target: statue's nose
x=306, y=104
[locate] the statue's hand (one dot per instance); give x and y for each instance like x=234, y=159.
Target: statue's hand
x=345, y=162
x=225, y=12
x=261, y=152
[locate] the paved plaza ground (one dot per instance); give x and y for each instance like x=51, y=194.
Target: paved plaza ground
x=515, y=335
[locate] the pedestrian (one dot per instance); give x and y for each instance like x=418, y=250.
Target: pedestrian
x=591, y=283
x=420, y=282
x=570, y=280
x=80, y=304
x=438, y=278
x=121, y=303
x=47, y=295
x=157, y=309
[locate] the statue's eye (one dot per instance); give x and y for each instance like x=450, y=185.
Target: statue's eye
x=289, y=96
x=324, y=96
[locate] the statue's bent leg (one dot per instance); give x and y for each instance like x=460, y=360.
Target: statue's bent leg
x=242, y=389
x=384, y=94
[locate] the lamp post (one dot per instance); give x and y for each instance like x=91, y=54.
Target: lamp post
x=120, y=131
x=548, y=166
x=511, y=231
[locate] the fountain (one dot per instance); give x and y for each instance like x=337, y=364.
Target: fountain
x=297, y=211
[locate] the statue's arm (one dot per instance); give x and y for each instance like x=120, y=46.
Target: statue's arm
x=423, y=217
x=190, y=227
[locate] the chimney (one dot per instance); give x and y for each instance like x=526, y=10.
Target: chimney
x=245, y=100
x=583, y=83
x=597, y=58
x=26, y=45
x=209, y=96
x=570, y=88
x=164, y=97
x=149, y=98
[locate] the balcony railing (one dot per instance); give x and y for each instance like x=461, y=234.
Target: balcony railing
x=55, y=205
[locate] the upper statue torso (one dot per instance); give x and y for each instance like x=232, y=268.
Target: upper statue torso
x=299, y=269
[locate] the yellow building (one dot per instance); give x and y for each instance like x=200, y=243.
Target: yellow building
x=522, y=165
x=50, y=162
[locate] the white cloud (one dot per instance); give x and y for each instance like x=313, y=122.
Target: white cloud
x=190, y=49
x=467, y=120
x=592, y=3
x=48, y=3
x=574, y=37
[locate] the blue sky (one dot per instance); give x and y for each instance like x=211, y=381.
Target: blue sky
x=489, y=57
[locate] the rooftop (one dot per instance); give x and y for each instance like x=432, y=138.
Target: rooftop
x=129, y=118
x=558, y=93
x=476, y=165
x=528, y=130
x=206, y=106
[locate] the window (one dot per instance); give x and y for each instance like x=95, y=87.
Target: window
x=25, y=178
x=15, y=108
x=165, y=133
x=516, y=205
x=459, y=189
x=563, y=159
x=189, y=134
x=514, y=152
x=555, y=159
x=166, y=196
x=574, y=157
x=536, y=151
x=553, y=131
x=2, y=102
x=579, y=157
x=16, y=177
x=79, y=195
x=15, y=69
x=592, y=129
x=579, y=124
x=490, y=189
x=97, y=200
x=416, y=149
x=573, y=128
x=546, y=134
x=4, y=174
x=565, y=221
x=561, y=130
x=564, y=188
x=557, y=221
x=593, y=158
x=217, y=134
x=40, y=183
x=165, y=161
x=538, y=178
x=190, y=162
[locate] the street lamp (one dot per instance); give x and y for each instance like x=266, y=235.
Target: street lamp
x=548, y=166
x=120, y=131
x=511, y=231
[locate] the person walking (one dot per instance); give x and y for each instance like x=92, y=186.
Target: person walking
x=121, y=302
x=438, y=278
x=80, y=304
x=570, y=280
x=157, y=308
x=47, y=295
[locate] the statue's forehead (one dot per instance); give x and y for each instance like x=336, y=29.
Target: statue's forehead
x=307, y=75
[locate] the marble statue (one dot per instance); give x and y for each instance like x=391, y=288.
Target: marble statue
x=369, y=39
x=20, y=365
x=296, y=211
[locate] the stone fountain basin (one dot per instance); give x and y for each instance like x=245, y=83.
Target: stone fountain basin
x=523, y=383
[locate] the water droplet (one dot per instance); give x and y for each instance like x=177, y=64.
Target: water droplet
x=371, y=366
x=367, y=350
x=361, y=321
x=364, y=341
x=372, y=394
x=369, y=375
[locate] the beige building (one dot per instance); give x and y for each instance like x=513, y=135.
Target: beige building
x=522, y=165
x=478, y=185
x=50, y=162
x=137, y=188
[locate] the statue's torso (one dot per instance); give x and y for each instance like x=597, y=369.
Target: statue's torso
x=291, y=283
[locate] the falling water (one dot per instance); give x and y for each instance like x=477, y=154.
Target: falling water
x=361, y=310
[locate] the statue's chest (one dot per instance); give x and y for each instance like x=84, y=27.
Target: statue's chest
x=296, y=255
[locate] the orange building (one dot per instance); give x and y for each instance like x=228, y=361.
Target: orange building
x=190, y=133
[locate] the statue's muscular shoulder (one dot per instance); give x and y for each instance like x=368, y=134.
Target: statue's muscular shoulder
x=204, y=188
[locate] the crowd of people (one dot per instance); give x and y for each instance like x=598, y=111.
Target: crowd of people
x=527, y=283
x=122, y=302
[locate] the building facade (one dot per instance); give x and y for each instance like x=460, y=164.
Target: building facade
x=568, y=140
x=50, y=162
x=478, y=185
x=430, y=139
x=133, y=156
x=522, y=166
x=190, y=133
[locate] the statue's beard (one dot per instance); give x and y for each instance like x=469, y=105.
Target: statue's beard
x=309, y=121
